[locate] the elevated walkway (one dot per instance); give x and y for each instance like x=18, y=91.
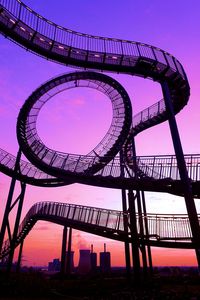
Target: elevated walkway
x=163, y=230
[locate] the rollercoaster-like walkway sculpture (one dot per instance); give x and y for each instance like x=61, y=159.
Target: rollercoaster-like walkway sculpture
x=176, y=174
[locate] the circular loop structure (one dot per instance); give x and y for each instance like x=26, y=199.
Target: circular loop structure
x=54, y=162
x=43, y=37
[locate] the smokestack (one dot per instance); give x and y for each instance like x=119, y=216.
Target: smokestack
x=104, y=247
x=84, y=265
x=93, y=259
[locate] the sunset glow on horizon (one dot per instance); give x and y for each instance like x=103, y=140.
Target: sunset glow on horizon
x=76, y=120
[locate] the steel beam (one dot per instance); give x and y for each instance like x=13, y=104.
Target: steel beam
x=150, y=263
x=186, y=182
x=9, y=200
x=69, y=249
x=139, y=207
x=142, y=245
x=16, y=226
x=63, y=252
x=125, y=219
x=134, y=236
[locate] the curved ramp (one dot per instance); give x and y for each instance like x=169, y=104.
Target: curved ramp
x=52, y=41
x=28, y=172
x=163, y=230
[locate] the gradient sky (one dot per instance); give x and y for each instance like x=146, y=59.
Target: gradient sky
x=75, y=121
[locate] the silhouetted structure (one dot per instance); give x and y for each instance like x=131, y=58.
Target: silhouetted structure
x=54, y=265
x=101, y=167
x=71, y=258
x=93, y=259
x=84, y=265
x=105, y=261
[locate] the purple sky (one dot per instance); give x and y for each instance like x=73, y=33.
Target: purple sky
x=76, y=120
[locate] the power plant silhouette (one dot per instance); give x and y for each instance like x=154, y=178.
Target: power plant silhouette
x=87, y=262
x=113, y=163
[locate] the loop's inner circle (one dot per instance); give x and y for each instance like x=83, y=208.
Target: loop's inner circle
x=50, y=160
x=64, y=122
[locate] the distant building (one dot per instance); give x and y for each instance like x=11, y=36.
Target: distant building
x=105, y=261
x=84, y=265
x=93, y=258
x=54, y=265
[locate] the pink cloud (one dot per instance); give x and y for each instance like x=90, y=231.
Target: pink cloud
x=77, y=102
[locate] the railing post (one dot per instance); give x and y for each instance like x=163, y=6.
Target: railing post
x=170, y=172
x=157, y=226
x=20, y=8
x=191, y=167
x=158, y=107
x=160, y=176
x=54, y=35
x=153, y=166
x=141, y=115
x=197, y=171
x=186, y=183
x=107, y=219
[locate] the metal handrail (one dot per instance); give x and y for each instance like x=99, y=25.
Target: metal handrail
x=82, y=41
x=161, y=166
x=160, y=226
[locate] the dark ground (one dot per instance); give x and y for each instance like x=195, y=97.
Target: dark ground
x=37, y=285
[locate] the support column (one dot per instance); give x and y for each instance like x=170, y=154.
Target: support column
x=126, y=243
x=63, y=253
x=134, y=236
x=68, y=267
x=147, y=233
x=186, y=182
x=142, y=245
x=16, y=226
x=5, y=221
x=125, y=220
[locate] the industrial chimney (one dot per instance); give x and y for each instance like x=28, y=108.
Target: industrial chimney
x=93, y=259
